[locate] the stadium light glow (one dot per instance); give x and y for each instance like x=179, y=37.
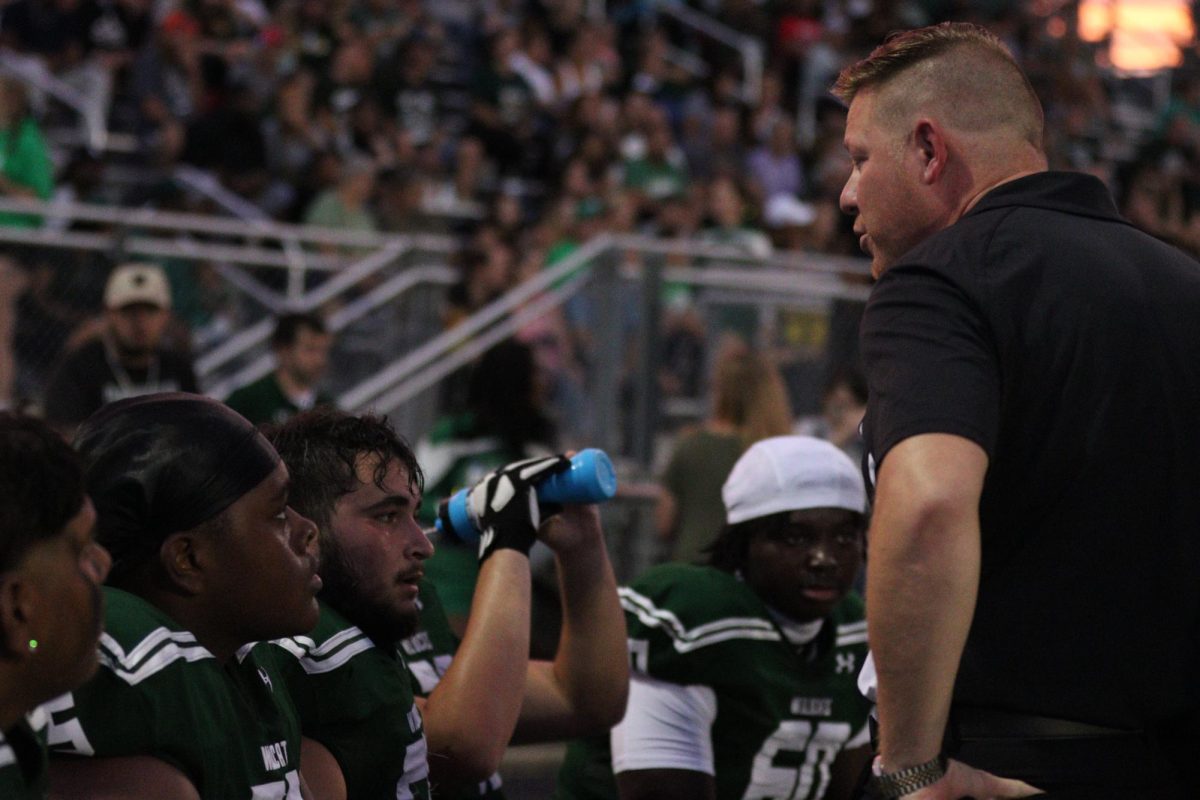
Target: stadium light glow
x=1145, y=36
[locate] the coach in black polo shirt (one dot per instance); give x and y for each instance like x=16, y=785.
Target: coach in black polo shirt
x=1032, y=432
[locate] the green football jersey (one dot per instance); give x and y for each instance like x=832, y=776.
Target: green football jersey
x=231, y=729
x=428, y=653
x=23, y=758
x=783, y=713
x=356, y=699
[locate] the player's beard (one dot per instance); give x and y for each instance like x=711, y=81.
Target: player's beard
x=343, y=591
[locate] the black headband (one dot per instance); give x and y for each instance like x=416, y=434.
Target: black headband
x=164, y=463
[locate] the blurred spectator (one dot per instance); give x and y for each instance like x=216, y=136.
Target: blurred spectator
x=718, y=150
x=301, y=345
x=503, y=107
x=408, y=96
x=748, y=403
x=168, y=86
x=661, y=172
x=345, y=207
x=504, y=421
x=25, y=172
x=775, y=167
x=843, y=404
x=127, y=358
x=486, y=274
x=25, y=167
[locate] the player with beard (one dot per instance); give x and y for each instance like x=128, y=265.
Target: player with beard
x=383, y=633
x=50, y=603
x=127, y=359
x=744, y=670
x=207, y=560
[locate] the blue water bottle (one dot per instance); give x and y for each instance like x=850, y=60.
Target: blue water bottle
x=591, y=479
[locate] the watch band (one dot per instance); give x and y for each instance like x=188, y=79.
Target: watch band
x=905, y=781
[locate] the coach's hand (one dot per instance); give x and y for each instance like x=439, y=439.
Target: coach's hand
x=505, y=504
x=962, y=781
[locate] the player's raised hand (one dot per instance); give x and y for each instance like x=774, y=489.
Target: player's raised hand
x=504, y=503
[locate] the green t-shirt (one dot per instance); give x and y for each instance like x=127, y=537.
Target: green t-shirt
x=357, y=700
x=23, y=758
x=695, y=473
x=783, y=714
x=428, y=654
x=264, y=401
x=231, y=729
x=656, y=179
x=25, y=161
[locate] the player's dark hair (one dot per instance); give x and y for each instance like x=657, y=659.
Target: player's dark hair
x=41, y=483
x=729, y=550
x=288, y=327
x=322, y=448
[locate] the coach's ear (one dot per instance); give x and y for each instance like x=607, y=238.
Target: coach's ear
x=182, y=561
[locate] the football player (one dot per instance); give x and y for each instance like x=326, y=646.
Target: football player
x=744, y=670
x=383, y=634
x=207, y=559
x=50, y=603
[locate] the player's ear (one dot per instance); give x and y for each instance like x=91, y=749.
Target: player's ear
x=17, y=605
x=183, y=562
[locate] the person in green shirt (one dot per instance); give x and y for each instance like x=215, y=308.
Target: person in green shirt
x=208, y=560
x=25, y=167
x=301, y=346
x=384, y=638
x=51, y=569
x=745, y=670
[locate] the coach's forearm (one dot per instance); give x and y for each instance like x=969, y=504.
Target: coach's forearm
x=923, y=578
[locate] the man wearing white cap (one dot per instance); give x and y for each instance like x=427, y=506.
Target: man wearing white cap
x=743, y=682
x=127, y=358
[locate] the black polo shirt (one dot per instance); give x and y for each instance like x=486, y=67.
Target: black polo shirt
x=1066, y=343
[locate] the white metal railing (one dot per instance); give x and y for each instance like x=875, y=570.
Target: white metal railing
x=158, y=234
x=33, y=72
x=784, y=276
x=749, y=48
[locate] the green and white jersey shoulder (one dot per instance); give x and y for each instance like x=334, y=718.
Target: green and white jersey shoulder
x=357, y=700
x=231, y=729
x=23, y=758
x=782, y=713
x=428, y=653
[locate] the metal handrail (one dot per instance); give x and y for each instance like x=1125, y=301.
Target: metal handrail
x=150, y=218
x=386, y=292
x=361, y=396
x=750, y=49
x=782, y=275
x=90, y=114
x=344, y=279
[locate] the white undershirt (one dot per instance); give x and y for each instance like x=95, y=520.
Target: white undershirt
x=666, y=726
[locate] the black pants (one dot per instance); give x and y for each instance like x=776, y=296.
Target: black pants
x=1072, y=761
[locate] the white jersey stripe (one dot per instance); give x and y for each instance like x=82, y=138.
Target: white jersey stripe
x=645, y=609
x=145, y=647
x=687, y=644
x=166, y=656
x=315, y=666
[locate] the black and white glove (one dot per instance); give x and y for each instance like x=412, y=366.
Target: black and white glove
x=504, y=504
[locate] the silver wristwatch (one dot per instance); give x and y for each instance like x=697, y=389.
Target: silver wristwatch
x=905, y=781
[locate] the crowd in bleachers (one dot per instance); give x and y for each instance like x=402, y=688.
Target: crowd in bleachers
x=523, y=126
